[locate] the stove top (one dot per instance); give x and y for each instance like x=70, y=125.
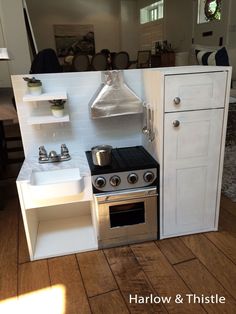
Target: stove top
x=131, y=167
x=124, y=159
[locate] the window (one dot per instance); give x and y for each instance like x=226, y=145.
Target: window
x=209, y=10
x=152, y=12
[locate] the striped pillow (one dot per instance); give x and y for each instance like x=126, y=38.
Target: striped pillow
x=218, y=57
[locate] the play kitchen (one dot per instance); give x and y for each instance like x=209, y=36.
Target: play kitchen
x=146, y=157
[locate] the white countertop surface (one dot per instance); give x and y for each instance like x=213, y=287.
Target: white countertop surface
x=77, y=161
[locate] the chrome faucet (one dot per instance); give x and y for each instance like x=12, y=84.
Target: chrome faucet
x=53, y=156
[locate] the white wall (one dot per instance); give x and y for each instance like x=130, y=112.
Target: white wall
x=151, y=32
x=81, y=133
x=117, y=27
x=15, y=38
x=219, y=28
x=179, y=25
x=176, y=26
x=232, y=24
x=178, y=22
x=129, y=24
x=4, y=65
x=103, y=14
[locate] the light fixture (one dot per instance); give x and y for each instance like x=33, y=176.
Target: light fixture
x=4, y=54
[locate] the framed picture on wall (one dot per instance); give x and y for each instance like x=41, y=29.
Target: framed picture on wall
x=74, y=38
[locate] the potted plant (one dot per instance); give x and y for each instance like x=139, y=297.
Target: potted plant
x=34, y=85
x=57, y=107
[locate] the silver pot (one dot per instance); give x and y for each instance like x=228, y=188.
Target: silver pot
x=101, y=155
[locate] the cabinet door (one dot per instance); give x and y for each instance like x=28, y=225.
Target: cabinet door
x=191, y=165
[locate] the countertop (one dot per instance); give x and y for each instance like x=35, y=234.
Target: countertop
x=77, y=161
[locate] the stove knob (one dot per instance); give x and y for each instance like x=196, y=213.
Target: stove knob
x=148, y=176
x=132, y=178
x=115, y=181
x=100, y=182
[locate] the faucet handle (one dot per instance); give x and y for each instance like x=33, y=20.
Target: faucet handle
x=64, y=150
x=42, y=151
x=43, y=156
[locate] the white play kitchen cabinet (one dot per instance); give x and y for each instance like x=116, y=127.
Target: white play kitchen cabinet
x=189, y=106
x=190, y=120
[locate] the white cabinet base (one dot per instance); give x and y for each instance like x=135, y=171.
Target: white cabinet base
x=65, y=236
x=59, y=229
x=190, y=107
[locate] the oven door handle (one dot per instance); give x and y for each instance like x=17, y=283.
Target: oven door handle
x=108, y=200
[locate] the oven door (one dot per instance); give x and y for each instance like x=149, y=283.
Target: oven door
x=127, y=215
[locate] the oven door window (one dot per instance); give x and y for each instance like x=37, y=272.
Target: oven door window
x=127, y=214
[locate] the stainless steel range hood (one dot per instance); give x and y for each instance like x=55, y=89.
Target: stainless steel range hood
x=114, y=98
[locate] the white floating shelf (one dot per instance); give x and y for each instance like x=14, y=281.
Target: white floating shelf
x=65, y=236
x=46, y=119
x=45, y=96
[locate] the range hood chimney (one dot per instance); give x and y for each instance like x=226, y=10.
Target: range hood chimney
x=114, y=98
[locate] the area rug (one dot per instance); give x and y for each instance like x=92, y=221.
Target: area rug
x=229, y=171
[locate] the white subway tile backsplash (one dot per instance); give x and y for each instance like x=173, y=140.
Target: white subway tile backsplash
x=81, y=133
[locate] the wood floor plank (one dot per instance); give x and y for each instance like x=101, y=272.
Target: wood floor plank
x=23, y=252
x=108, y=303
x=33, y=276
x=228, y=205
x=8, y=250
x=64, y=271
x=163, y=277
x=35, y=292
x=214, y=260
x=175, y=250
x=96, y=273
x=225, y=242
x=201, y=282
x=227, y=222
x=132, y=280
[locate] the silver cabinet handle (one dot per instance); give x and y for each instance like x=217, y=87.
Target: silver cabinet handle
x=126, y=199
x=176, y=123
x=176, y=100
x=146, y=128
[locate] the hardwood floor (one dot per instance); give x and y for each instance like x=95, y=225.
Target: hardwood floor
x=103, y=281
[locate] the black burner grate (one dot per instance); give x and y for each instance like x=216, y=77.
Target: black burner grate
x=124, y=159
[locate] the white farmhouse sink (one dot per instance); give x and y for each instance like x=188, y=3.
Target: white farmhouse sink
x=56, y=183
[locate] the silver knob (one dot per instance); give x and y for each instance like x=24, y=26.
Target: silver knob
x=115, y=181
x=176, y=100
x=132, y=178
x=176, y=123
x=100, y=182
x=148, y=176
